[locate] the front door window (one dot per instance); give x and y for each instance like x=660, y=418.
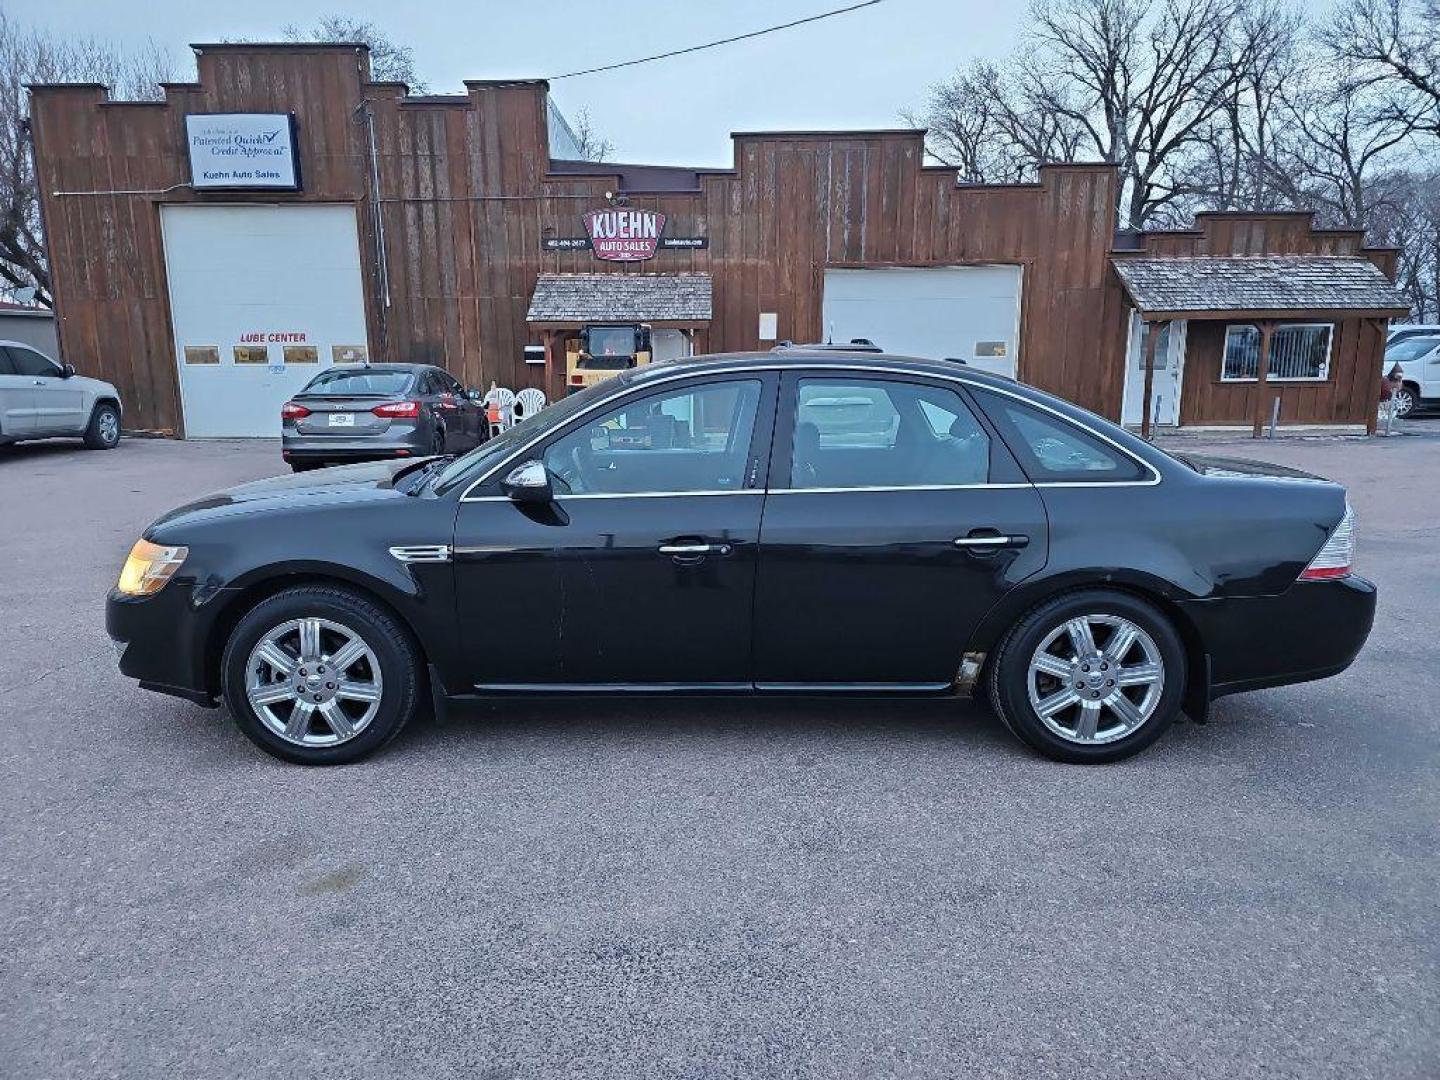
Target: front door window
x=685, y=441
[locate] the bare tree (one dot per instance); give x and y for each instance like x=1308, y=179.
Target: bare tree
x=591, y=144
x=30, y=57
x=1342, y=139
x=1234, y=162
x=1136, y=82
x=1392, y=45
x=1410, y=221
x=389, y=60
x=992, y=130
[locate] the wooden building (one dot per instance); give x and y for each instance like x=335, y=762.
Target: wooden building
x=211, y=250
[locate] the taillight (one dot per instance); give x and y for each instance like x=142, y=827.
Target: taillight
x=398, y=410
x=1338, y=555
x=291, y=411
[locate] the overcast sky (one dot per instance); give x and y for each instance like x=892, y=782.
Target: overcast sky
x=853, y=71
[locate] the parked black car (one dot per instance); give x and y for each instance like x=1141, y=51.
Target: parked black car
x=784, y=523
x=354, y=413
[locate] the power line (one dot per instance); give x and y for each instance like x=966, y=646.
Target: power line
x=722, y=41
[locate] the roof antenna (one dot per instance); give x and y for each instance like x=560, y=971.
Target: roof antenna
x=830, y=334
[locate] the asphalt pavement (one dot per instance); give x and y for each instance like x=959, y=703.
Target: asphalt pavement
x=707, y=888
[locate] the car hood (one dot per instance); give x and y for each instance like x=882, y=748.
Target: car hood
x=343, y=484
x=1244, y=468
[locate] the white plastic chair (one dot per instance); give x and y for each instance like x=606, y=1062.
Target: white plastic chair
x=504, y=401
x=528, y=402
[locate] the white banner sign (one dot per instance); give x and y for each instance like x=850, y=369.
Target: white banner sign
x=242, y=150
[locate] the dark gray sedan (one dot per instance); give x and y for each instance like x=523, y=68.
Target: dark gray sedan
x=380, y=411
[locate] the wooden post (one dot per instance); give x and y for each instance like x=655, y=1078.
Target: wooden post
x=1372, y=415
x=1262, y=371
x=554, y=369
x=1152, y=335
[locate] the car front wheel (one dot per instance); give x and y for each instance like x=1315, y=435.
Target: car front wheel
x=1403, y=403
x=320, y=675
x=1090, y=676
x=103, y=431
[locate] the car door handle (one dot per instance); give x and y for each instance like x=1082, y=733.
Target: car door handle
x=991, y=542
x=695, y=549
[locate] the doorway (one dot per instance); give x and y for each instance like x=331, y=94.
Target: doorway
x=1169, y=372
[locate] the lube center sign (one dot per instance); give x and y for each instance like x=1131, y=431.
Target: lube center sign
x=242, y=150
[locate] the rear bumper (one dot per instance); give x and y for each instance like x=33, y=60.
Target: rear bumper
x=409, y=443
x=1312, y=630
x=161, y=640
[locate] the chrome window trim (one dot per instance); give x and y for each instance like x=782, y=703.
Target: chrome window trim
x=627, y=495
x=1155, y=477
x=892, y=487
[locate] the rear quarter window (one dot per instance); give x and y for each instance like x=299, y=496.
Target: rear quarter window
x=1053, y=450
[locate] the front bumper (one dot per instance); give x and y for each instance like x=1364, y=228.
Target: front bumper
x=162, y=640
x=1312, y=630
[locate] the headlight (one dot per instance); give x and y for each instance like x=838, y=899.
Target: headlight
x=149, y=566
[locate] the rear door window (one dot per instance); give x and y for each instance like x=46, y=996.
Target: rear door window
x=884, y=433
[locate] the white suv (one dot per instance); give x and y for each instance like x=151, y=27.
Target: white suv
x=40, y=399
x=1419, y=360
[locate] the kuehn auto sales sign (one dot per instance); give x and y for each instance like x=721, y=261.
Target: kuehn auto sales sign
x=242, y=150
x=620, y=234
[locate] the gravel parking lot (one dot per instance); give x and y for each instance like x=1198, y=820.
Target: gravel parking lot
x=707, y=888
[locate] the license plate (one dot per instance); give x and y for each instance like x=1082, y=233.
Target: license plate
x=342, y=419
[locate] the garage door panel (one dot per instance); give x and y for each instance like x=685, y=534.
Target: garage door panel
x=964, y=312
x=273, y=275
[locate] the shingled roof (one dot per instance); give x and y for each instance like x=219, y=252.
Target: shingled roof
x=621, y=298
x=1281, y=283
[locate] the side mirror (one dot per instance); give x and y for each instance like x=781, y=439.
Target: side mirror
x=67, y=371
x=528, y=483
x=474, y=395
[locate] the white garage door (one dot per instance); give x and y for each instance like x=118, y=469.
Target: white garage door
x=262, y=297
x=969, y=313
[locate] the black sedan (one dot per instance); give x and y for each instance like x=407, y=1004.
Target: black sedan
x=355, y=413
x=803, y=523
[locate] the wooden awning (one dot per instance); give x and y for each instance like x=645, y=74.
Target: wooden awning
x=1258, y=287
x=572, y=300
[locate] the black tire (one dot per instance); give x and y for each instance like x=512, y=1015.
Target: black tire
x=1404, y=402
x=398, y=658
x=303, y=466
x=103, y=431
x=437, y=441
x=1009, y=674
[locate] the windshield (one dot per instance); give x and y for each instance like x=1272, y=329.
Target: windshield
x=473, y=465
x=1410, y=349
x=360, y=383
x=612, y=341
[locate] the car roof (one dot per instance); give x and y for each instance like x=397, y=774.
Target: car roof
x=798, y=356
x=361, y=368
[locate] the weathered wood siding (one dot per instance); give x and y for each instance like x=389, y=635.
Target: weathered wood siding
x=1349, y=393
x=466, y=199
x=1347, y=396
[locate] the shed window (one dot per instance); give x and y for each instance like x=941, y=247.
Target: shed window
x=1299, y=352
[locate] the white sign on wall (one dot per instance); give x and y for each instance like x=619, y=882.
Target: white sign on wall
x=242, y=150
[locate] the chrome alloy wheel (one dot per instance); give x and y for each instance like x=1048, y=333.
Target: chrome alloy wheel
x=1093, y=690
x=109, y=427
x=313, y=682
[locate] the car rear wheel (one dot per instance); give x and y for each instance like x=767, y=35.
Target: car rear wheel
x=1090, y=676
x=320, y=676
x=103, y=432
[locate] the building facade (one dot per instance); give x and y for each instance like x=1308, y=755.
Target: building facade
x=210, y=251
